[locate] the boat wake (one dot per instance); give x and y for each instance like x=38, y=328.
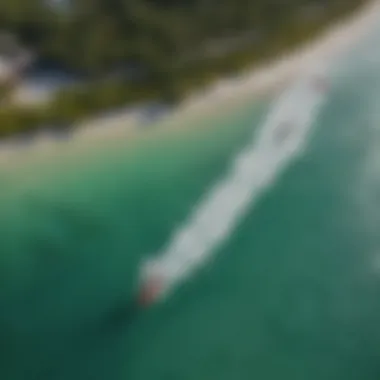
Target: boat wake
x=281, y=138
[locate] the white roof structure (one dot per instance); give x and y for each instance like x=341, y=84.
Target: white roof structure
x=13, y=57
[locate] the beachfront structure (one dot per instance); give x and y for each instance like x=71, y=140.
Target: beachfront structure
x=13, y=58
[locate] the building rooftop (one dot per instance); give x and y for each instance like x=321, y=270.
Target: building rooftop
x=13, y=56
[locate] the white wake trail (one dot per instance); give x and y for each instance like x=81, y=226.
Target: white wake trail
x=253, y=170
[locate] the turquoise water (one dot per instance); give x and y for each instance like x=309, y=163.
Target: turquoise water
x=292, y=294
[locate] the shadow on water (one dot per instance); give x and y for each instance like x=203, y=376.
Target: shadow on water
x=103, y=349
x=120, y=317
x=72, y=315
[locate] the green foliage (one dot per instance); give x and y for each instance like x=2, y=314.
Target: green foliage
x=5, y=92
x=95, y=35
x=183, y=45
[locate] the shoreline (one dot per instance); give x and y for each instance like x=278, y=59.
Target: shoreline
x=219, y=97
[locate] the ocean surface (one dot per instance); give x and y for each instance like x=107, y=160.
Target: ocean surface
x=292, y=290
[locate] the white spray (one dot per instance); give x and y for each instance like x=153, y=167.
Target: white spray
x=253, y=170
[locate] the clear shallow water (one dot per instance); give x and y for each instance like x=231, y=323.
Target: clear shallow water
x=293, y=292
x=73, y=238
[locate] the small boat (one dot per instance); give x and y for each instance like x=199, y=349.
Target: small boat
x=151, y=284
x=150, y=291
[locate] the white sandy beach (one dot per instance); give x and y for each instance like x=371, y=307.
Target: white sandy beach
x=219, y=97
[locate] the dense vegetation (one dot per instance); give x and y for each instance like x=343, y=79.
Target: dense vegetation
x=137, y=50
